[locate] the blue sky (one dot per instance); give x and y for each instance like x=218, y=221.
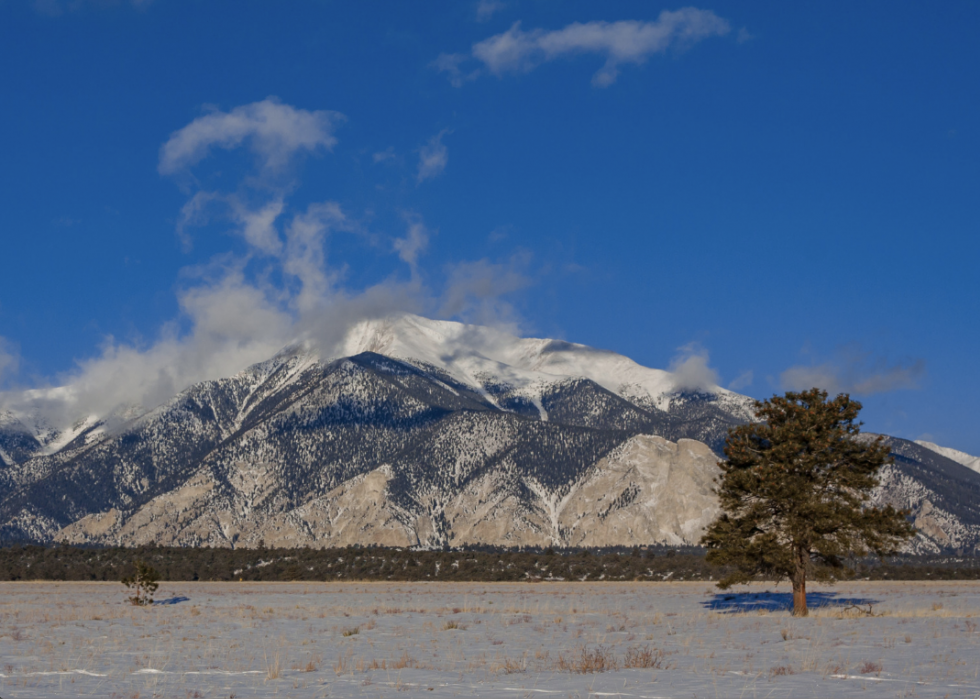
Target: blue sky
x=790, y=189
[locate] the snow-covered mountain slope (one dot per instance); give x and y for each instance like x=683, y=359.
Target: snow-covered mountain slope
x=971, y=462
x=510, y=372
x=416, y=433
x=474, y=354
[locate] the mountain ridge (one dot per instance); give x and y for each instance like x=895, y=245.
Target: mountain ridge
x=960, y=457
x=428, y=434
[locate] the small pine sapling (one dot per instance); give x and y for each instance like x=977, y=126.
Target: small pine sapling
x=144, y=583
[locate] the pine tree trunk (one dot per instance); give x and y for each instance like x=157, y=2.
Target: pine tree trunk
x=799, y=584
x=799, y=598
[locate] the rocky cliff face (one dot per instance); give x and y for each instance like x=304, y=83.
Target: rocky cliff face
x=454, y=435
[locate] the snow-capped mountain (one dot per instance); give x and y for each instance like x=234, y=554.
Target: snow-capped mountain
x=415, y=432
x=472, y=352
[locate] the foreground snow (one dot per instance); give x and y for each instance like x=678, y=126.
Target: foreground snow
x=438, y=640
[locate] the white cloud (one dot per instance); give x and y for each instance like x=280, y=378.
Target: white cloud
x=258, y=227
x=275, y=132
x=412, y=245
x=9, y=360
x=485, y=9
x=622, y=42
x=194, y=212
x=853, y=372
x=233, y=324
x=305, y=257
x=236, y=319
x=743, y=380
x=384, y=155
x=239, y=309
x=500, y=233
x=433, y=157
x=476, y=291
x=691, y=371
x=450, y=63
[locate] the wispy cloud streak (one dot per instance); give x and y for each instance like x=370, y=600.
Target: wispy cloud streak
x=433, y=157
x=275, y=132
x=623, y=42
x=857, y=373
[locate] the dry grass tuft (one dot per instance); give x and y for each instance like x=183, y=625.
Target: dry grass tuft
x=598, y=659
x=274, y=667
x=780, y=670
x=353, y=631
x=312, y=665
x=404, y=661
x=644, y=657
x=343, y=665
x=511, y=666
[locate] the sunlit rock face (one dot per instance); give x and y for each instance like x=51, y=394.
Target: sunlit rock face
x=416, y=433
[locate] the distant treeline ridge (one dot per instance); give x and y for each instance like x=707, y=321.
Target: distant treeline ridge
x=391, y=564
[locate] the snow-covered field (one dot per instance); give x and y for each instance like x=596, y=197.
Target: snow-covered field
x=522, y=640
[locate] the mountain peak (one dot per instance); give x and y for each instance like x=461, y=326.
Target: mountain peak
x=467, y=351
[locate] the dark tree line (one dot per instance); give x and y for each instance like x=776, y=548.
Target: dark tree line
x=383, y=564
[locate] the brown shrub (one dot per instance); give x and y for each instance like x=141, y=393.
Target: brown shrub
x=870, y=667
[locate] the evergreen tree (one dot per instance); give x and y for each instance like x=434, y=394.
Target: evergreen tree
x=144, y=583
x=794, y=492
